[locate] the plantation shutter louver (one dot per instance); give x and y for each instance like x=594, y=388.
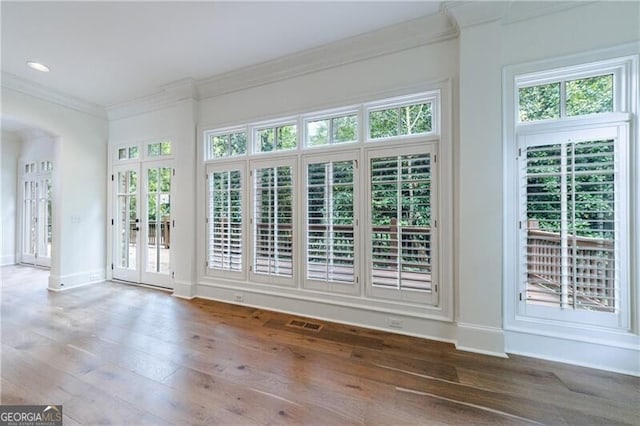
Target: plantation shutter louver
x=225, y=220
x=330, y=221
x=273, y=223
x=570, y=237
x=400, y=226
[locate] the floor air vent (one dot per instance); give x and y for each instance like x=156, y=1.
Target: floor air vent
x=312, y=326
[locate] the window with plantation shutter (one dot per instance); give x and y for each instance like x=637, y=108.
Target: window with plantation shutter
x=569, y=209
x=571, y=234
x=273, y=221
x=225, y=220
x=401, y=228
x=330, y=224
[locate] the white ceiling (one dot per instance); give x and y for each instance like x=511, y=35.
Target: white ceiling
x=110, y=52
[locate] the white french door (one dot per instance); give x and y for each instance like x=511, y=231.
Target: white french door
x=142, y=223
x=36, y=220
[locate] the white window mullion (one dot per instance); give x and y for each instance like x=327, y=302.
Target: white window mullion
x=564, y=231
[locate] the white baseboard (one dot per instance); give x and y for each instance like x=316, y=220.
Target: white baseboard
x=7, y=259
x=623, y=359
x=66, y=282
x=481, y=339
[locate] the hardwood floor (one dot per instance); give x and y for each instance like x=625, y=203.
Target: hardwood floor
x=118, y=354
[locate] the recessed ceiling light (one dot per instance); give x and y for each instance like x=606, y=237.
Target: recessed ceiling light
x=37, y=66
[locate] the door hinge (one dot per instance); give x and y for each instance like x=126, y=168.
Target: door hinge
x=113, y=178
x=520, y=225
x=519, y=153
x=174, y=172
x=250, y=268
x=435, y=223
x=206, y=220
x=357, y=280
x=206, y=264
x=435, y=158
x=112, y=266
x=173, y=274
x=356, y=161
x=112, y=223
x=520, y=295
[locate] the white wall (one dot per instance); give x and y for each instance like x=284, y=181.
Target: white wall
x=10, y=145
x=37, y=147
x=79, y=186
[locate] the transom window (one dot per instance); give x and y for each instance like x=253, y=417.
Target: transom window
x=278, y=138
x=159, y=149
x=332, y=130
x=128, y=153
x=412, y=119
x=566, y=98
x=228, y=144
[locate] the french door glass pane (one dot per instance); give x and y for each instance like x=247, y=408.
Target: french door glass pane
x=44, y=219
x=158, y=219
x=127, y=219
x=30, y=218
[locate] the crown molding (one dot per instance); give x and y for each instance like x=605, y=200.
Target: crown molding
x=18, y=84
x=395, y=38
x=471, y=13
x=168, y=96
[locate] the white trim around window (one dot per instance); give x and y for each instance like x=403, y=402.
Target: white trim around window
x=608, y=323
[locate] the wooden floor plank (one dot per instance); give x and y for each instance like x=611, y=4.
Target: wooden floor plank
x=121, y=354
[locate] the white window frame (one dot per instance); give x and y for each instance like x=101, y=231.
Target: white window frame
x=398, y=102
x=254, y=141
x=159, y=157
x=329, y=115
x=333, y=286
x=580, y=324
x=225, y=167
x=208, y=154
x=406, y=295
x=116, y=150
x=287, y=161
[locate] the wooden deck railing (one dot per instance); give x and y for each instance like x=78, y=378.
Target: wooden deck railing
x=590, y=271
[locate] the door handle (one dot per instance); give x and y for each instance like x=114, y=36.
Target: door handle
x=136, y=229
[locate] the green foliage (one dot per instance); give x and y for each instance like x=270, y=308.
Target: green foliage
x=228, y=145
x=278, y=138
x=401, y=190
x=583, y=96
x=158, y=193
x=539, y=102
x=590, y=95
x=407, y=120
x=589, y=188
